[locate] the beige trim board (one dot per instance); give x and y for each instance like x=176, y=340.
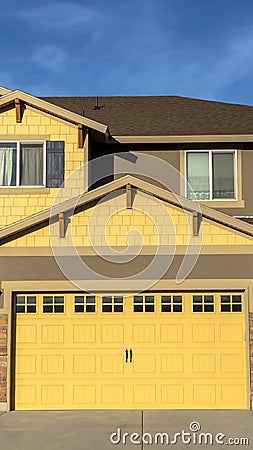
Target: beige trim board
x=4, y=91
x=25, y=137
x=54, y=110
x=160, y=285
x=18, y=191
x=96, y=194
x=148, y=250
x=224, y=204
x=184, y=139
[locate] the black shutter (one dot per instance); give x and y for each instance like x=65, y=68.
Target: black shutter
x=55, y=163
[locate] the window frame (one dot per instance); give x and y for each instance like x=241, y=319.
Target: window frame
x=231, y=303
x=22, y=186
x=171, y=303
x=144, y=303
x=85, y=304
x=210, y=153
x=26, y=304
x=203, y=303
x=112, y=304
x=53, y=304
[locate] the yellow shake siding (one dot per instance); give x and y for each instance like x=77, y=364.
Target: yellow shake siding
x=120, y=223
x=15, y=207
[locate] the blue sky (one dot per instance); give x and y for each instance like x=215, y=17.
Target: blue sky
x=194, y=48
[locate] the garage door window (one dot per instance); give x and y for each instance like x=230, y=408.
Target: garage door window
x=231, y=303
x=85, y=303
x=26, y=304
x=203, y=303
x=112, y=303
x=171, y=303
x=53, y=304
x=144, y=303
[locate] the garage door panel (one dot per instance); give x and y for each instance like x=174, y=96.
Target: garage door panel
x=172, y=333
x=232, y=332
x=204, y=363
x=232, y=364
x=173, y=394
x=26, y=334
x=84, y=333
x=84, y=363
x=111, y=333
x=203, y=333
x=26, y=364
x=143, y=333
x=145, y=394
x=53, y=394
x=144, y=363
x=26, y=396
x=84, y=395
x=233, y=394
x=204, y=394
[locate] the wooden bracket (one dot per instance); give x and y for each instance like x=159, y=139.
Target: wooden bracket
x=196, y=222
x=129, y=202
x=62, y=228
x=18, y=110
x=80, y=136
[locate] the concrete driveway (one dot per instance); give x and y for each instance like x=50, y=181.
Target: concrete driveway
x=99, y=430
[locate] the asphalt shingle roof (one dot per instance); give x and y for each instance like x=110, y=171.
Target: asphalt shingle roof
x=162, y=115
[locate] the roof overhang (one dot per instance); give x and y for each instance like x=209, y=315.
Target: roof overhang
x=12, y=231
x=54, y=110
x=4, y=91
x=184, y=139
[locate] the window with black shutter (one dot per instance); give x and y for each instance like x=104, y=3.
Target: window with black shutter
x=54, y=163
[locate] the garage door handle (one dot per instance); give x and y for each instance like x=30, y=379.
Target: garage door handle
x=131, y=355
x=126, y=355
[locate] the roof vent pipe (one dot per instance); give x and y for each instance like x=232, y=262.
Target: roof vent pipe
x=96, y=105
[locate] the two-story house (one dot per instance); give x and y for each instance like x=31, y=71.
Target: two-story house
x=126, y=244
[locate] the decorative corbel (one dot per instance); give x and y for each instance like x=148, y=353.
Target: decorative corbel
x=129, y=201
x=80, y=136
x=62, y=228
x=196, y=222
x=18, y=110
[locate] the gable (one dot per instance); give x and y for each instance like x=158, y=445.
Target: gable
x=25, y=99
x=156, y=222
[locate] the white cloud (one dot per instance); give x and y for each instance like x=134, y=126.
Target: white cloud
x=52, y=58
x=60, y=15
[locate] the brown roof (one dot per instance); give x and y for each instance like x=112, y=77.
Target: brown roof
x=162, y=115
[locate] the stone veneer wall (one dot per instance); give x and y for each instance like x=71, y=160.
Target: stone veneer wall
x=3, y=359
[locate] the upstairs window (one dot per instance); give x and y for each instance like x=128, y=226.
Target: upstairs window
x=211, y=174
x=22, y=164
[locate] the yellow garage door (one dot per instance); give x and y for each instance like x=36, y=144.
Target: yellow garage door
x=152, y=350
